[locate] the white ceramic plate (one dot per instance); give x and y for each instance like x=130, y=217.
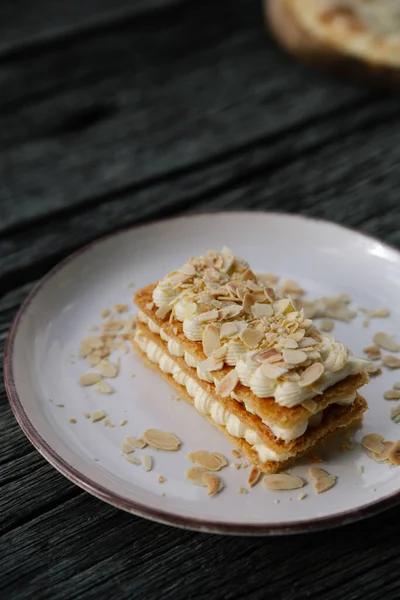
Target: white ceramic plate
x=325, y=258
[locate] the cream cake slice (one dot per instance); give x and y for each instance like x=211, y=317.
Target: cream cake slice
x=248, y=360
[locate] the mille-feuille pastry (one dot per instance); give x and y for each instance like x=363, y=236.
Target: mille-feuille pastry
x=248, y=360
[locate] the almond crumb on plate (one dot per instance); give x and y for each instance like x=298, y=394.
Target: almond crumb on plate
x=121, y=308
x=105, y=313
x=102, y=387
x=89, y=379
x=301, y=496
x=161, y=479
x=243, y=490
x=392, y=395
x=73, y=421
x=147, y=462
x=98, y=415
x=123, y=422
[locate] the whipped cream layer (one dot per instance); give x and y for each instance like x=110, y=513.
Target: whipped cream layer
x=276, y=351
x=286, y=393
x=205, y=403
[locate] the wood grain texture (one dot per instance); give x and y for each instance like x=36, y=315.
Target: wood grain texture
x=113, y=113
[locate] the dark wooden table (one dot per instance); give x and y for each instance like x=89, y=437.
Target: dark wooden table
x=113, y=112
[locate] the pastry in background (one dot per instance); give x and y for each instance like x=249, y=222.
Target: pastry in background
x=359, y=38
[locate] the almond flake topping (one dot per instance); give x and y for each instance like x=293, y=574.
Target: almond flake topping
x=161, y=440
x=131, y=459
x=283, y=481
x=210, y=364
x=272, y=371
x=294, y=357
x=311, y=375
x=272, y=355
x=383, y=340
x=207, y=460
x=228, y=330
x=89, y=379
x=163, y=311
x=373, y=442
x=210, y=315
x=379, y=313
x=211, y=341
x=291, y=287
x=383, y=456
x=251, y=337
x=227, y=384
x=261, y=310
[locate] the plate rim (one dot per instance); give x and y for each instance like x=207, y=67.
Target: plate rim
x=138, y=508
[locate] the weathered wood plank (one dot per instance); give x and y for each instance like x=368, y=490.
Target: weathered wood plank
x=22, y=28
x=139, y=104
x=333, y=181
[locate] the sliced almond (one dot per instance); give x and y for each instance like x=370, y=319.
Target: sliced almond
x=373, y=442
x=272, y=355
x=89, y=379
x=283, y=481
x=189, y=310
x=229, y=312
x=254, y=476
x=212, y=482
x=391, y=361
x=394, y=454
x=384, y=455
x=251, y=337
x=107, y=369
x=324, y=484
x=326, y=325
x=310, y=405
x=195, y=475
x=121, y=308
x=283, y=306
x=396, y=385
x=205, y=459
x=126, y=449
x=93, y=342
x=220, y=353
x=209, y=315
x=163, y=311
x=311, y=374
x=383, y=340
x=228, y=330
x=294, y=357
x=131, y=459
x=317, y=473
x=211, y=341
x=134, y=442
x=259, y=310
x=227, y=384
x=288, y=343
x=379, y=313
x=395, y=414
x=291, y=287
x=210, y=364
x=373, y=352
x=98, y=415
x=248, y=301
x=221, y=458
x=105, y=313
x=392, y=395
x=272, y=371
x=188, y=269
x=102, y=387
x=161, y=440
x=147, y=462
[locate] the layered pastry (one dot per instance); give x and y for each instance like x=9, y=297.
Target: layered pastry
x=248, y=360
